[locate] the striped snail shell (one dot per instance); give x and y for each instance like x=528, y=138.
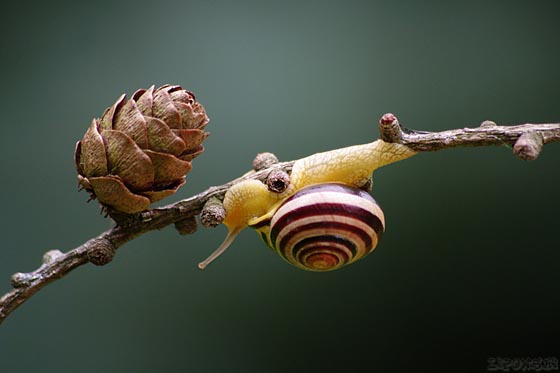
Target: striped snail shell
x=323, y=221
x=324, y=227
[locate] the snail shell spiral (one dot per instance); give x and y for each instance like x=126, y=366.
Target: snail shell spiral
x=325, y=226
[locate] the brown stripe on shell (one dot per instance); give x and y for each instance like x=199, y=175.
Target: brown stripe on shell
x=332, y=229
x=354, y=199
x=350, y=212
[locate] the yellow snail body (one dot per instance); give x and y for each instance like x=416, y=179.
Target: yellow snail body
x=323, y=181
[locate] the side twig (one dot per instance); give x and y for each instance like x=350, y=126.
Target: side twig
x=526, y=140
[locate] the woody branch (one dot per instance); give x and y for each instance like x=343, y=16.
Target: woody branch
x=526, y=140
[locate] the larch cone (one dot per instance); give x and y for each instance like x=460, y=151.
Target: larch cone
x=140, y=150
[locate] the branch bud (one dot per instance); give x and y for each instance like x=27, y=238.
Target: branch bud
x=213, y=213
x=389, y=128
x=51, y=255
x=187, y=226
x=488, y=123
x=20, y=279
x=101, y=251
x=264, y=160
x=528, y=146
x=277, y=181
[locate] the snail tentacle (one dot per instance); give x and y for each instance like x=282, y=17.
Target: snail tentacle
x=220, y=250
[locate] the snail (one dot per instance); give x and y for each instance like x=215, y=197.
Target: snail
x=324, y=219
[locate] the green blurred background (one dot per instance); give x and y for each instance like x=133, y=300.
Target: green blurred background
x=468, y=267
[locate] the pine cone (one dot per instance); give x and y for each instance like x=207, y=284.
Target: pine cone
x=140, y=150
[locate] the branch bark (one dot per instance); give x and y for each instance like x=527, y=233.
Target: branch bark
x=526, y=140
